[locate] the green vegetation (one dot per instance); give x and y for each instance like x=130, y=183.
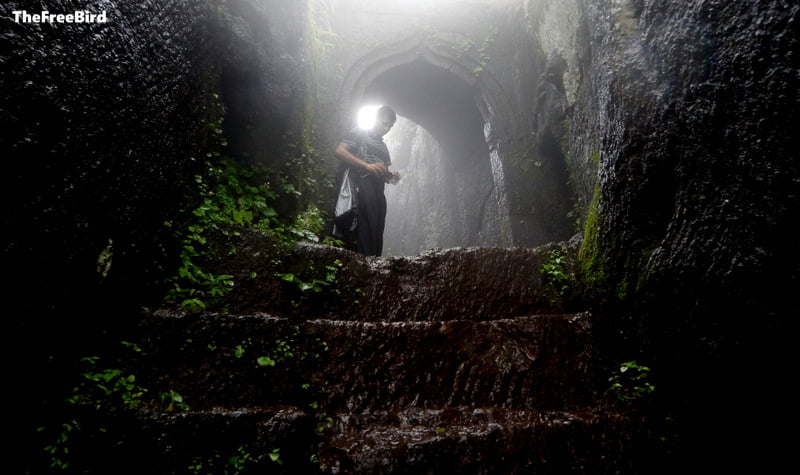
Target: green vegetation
x=288, y=350
x=105, y=392
x=631, y=382
x=101, y=390
x=309, y=281
x=285, y=352
x=228, y=205
x=171, y=401
x=558, y=280
x=232, y=198
x=58, y=451
x=591, y=265
x=235, y=198
x=232, y=464
x=226, y=199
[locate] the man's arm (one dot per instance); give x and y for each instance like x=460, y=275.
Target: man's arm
x=344, y=154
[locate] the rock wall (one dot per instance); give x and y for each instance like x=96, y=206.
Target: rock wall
x=104, y=127
x=106, y=124
x=101, y=124
x=263, y=78
x=690, y=105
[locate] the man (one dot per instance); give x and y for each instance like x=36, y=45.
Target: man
x=364, y=153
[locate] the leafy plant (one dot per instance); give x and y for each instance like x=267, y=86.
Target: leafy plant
x=58, y=451
x=265, y=361
x=558, y=281
x=106, y=387
x=228, y=204
x=171, y=401
x=233, y=198
x=631, y=382
x=275, y=456
x=288, y=350
x=234, y=464
x=101, y=389
x=313, y=283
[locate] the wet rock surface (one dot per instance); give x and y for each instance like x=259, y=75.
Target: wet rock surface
x=522, y=392
x=481, y=440
x=699, y=190
x=440, y=284
x=527, y=362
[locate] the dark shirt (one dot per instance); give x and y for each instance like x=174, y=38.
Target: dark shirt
x=376, y=148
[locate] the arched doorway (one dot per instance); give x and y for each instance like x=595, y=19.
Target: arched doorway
x=451, y=195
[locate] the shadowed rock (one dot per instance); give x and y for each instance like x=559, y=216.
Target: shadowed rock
x=441, y=284
x=475, y=384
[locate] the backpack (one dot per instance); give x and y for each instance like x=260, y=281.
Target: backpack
x=345, y=216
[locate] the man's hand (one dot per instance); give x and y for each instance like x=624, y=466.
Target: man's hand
x=344, y=153
x=377, y=169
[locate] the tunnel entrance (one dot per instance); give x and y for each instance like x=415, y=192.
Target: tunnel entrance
x=451, y=195
x=486, y=111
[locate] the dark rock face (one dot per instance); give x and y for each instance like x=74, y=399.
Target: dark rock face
x=104, y=126
x=263, y=78
x=101, y=124
x=699, y=189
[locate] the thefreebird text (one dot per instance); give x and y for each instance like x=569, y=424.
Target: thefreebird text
x=80, y=16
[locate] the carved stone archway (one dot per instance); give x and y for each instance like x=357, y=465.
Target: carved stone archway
x=443, y=90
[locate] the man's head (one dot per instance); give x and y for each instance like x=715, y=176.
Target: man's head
x=384, y=120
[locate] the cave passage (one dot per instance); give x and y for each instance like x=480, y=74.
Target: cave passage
x=483, y=148
x=448, y=197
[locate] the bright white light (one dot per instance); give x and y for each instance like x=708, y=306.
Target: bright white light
x=366, y=117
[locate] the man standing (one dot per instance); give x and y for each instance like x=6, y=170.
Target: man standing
x=364, y=153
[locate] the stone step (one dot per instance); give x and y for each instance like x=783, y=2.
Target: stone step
x=539, y=361
x=454, y=361
x=415, y=440
x=483, y=441
x=476, y=284
x=207, y=441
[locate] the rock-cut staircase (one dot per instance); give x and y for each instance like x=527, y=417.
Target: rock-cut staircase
x=453, y=361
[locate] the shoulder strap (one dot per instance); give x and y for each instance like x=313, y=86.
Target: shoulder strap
x=362, y=147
